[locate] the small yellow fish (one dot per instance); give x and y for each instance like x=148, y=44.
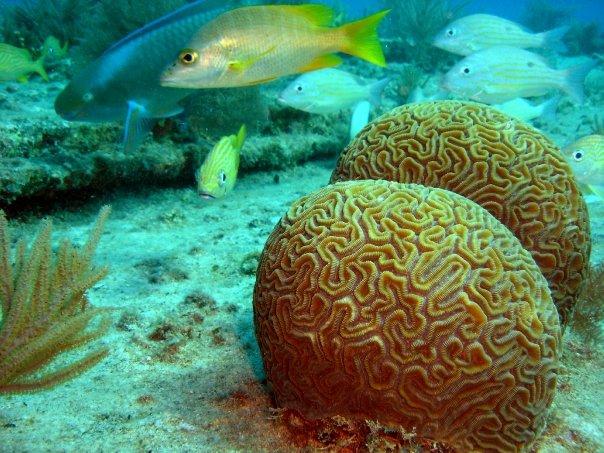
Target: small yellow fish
x=257, y=44
x=586, y=158
x=52, y=48
x=17, y=64
x=217, y=175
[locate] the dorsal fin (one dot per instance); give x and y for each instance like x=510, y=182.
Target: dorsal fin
x=320, y=15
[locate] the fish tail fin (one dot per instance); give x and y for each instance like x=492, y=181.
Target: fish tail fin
x=574, y=78
x=375, y=91
x=549, y=108
x=360, y=118
x=360, y=39
x=552, y=39
x=137, y=126
x=39, y=68
x=240, y=137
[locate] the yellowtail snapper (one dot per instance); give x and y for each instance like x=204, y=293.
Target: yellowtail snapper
x=257, y=44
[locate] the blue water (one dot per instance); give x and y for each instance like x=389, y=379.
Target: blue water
x=193, y=209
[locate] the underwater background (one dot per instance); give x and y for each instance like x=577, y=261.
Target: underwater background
x=163, y=323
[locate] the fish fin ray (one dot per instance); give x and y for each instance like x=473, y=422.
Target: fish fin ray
x=597, y=189
x=323, y=61
x=549, y=108
x=39, y=68
x=376, y=89
x=244, y=65
x=574, y=78
x=361, y=40
x=359, y=118
x=240, y=137
x=320, y=15
x=552, y=39
x=137, y=126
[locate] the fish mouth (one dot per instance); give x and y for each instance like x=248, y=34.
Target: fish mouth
x=206, y=196
x=70, y=116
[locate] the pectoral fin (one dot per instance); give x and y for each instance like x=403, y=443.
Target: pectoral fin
x=245, y=64
x=137, y=126
x=323, y=61
x=598, y=190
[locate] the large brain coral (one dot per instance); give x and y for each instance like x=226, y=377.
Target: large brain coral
x=408, y=305
x=507, y=167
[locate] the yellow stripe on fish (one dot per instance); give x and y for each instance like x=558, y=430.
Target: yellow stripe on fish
x=217, y=175
x=499, y=74
x=257, y=44
x=586, y=158
x=16, y=64
x=475, y=32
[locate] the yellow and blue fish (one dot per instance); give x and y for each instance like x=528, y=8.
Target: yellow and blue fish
x=217, y=175
x=257, y=44
x=16, y=64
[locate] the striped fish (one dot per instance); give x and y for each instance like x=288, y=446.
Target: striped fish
x=480, y=31
x=330, y=90
x=499, y=74
x=17, y=64
x=586, y=158
x=217, y=175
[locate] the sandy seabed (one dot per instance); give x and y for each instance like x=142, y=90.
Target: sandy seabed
x=184, y=372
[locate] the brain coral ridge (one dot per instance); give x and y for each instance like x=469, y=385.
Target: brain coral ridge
x=408, y=305
x=507, y=167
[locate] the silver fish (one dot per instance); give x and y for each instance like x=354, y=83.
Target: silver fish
x=123, y=84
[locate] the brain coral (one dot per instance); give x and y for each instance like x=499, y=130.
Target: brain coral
x=408, y=305
x=507, y=167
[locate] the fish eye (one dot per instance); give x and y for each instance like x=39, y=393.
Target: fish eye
x=450, y=32
x=466, y=70
x=88, y=96
x=222, y=178
x=578, y=155
x=188, y=56
x=299, y=88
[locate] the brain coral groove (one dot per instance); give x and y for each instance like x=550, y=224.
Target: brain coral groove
x=408, y=305
x=507, y=167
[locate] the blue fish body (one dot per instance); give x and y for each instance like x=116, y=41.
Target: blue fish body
x=123, y=84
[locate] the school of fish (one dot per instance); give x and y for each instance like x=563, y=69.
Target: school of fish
x=210, y=44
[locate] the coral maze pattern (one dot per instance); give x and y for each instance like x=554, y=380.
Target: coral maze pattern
x=408, y=305
x=507, y=167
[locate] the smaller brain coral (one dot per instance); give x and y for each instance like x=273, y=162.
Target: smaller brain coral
x=509, y=168
x=408, y=305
